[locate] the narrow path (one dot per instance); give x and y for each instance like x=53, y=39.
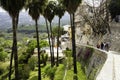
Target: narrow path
x=111, y=68
x=114, y=68
x=117, y=67
x=66, y=68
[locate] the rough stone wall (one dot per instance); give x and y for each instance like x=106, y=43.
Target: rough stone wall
x=82, y=34
x=114, y=37
x=91, y=59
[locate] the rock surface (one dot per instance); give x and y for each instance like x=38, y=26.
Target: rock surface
x=91, y=59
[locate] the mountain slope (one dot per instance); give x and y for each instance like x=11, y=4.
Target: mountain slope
x=25, y=19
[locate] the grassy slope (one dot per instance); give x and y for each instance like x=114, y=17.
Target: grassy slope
x=81, y=75
x=60, y=73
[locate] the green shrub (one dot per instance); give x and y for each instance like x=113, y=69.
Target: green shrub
x=3, y=67
x=50, y=72
x=43, y=43
x=34, y=78
x=69, y=59
x=7, y=44
x=31, y=46
x=3, y=54
x=1, y=49
x=59, y=74
x=1, y=70
x=68, y=53
x=32, y=62
x=24, y=71
x=22, y=59
x=44, y=58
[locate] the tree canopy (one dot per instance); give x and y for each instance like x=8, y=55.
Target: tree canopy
x=59, y=10
x=55, y=31
x=12, y=6
x=114, y=8
x=49, y=11
x=71, y=5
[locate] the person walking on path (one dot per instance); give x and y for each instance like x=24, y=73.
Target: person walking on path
x=102, y=45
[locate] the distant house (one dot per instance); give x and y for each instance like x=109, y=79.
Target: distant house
x=67, y=32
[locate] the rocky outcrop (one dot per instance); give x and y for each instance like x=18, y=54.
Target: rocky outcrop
x=91, y=59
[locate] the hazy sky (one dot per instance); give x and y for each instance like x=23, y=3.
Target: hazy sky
x=1, y=10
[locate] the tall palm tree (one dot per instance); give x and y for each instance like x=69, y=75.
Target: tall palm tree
x=13, y=7
x=35, y=9
x=49, y=15
x=59, y=11
x=71, y=7
x=45, y=14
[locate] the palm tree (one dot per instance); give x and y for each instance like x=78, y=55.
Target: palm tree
x=48, y=32
x=35, y=8
x=71, y=7
x=49, y=15
x=59, y=11
x=13, y=7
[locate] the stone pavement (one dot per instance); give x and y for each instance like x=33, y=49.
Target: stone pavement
x=111, y=68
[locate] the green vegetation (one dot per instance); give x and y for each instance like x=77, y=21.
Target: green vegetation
x=29, y=29
x=24, y=71
x=55, y=31
x=3, y=54
x=4, y=69
x=50, y=72
x=114, y=8
x=30, y=63
x=58, y=73
x=81, y=75
x=28, y=68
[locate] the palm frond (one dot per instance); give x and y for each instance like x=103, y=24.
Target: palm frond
x=12, y=6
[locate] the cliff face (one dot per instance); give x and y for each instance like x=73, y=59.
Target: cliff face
x=115, y=37
x=84, y=20
x=84, y=33
x=91, y=60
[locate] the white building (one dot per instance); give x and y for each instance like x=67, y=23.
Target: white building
x=47, y=51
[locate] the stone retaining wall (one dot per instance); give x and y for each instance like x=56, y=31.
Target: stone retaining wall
x=91, y=59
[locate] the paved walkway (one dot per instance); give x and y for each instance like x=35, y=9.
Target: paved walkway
x=111, y=68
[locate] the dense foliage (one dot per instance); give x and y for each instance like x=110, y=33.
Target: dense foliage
x=55, y=31
x=114, y=8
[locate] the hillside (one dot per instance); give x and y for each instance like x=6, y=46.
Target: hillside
x=25, y=19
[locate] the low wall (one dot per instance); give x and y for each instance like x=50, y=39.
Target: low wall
x=91, y=60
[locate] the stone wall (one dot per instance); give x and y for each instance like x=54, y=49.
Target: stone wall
x=115, y=37
x=91, y=60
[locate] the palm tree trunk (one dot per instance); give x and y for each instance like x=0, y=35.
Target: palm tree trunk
x=58, y=43
x=71, y=23
x=52, y=44
x=74, y=45
x=11, y=58
x=14, y=50
x=38, y=46
x=49, y=41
